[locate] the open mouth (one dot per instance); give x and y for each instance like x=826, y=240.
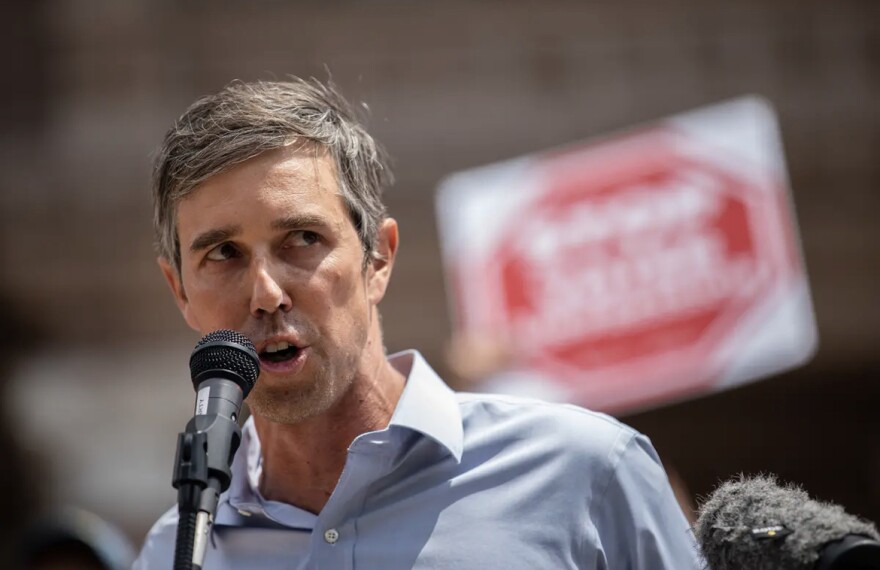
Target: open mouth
x=279, y=352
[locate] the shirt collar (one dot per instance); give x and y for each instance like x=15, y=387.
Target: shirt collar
x=427, y=406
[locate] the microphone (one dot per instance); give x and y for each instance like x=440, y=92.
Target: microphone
x=755, y=524
x=224, y=366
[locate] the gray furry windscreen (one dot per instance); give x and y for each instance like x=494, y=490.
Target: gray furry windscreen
x=737, y=508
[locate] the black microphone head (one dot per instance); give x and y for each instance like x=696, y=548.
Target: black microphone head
x=754, y=523
x=228, y=354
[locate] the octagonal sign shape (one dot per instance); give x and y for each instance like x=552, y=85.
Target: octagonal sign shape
x=638, y=269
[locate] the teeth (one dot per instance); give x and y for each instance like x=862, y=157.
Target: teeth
x=283, y=345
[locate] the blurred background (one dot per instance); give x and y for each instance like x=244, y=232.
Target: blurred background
x=94, y=372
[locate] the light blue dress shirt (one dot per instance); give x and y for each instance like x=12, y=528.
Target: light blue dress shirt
x=460, y=481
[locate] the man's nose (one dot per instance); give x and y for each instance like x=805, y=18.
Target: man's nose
x=269, y=294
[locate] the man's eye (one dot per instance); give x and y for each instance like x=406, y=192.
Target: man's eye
x=302, y=238
x=222, y=252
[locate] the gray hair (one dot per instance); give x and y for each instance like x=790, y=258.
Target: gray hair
x=244, y=120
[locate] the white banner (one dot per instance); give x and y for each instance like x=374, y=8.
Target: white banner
x=639, y=269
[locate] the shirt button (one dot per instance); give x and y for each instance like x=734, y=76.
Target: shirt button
x=331, y=535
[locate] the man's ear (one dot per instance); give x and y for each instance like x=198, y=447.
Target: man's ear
x=383, y=261
x=172, y=277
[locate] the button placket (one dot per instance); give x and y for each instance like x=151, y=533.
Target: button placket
x=365, y=462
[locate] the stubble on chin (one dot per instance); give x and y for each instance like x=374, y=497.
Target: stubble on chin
x=294, y=402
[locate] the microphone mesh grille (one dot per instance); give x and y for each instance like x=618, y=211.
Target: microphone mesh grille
x=226, y=350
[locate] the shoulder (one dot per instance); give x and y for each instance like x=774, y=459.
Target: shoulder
x=537, y=414
x=158, y=548
x=582, y=436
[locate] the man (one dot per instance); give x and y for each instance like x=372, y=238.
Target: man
x=270, y=222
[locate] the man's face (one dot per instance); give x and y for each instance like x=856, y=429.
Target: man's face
x=267, y=248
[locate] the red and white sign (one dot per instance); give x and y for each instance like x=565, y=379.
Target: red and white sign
x=639, y=269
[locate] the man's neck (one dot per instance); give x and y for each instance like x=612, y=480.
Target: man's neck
x=303, y=462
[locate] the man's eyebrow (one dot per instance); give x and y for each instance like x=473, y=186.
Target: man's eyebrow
x=299, y=221
x=213, y=237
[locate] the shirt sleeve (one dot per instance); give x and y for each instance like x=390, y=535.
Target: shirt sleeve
x=640, y=525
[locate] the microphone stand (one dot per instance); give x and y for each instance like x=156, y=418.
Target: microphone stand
x=202, y=471
x=190, y=478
